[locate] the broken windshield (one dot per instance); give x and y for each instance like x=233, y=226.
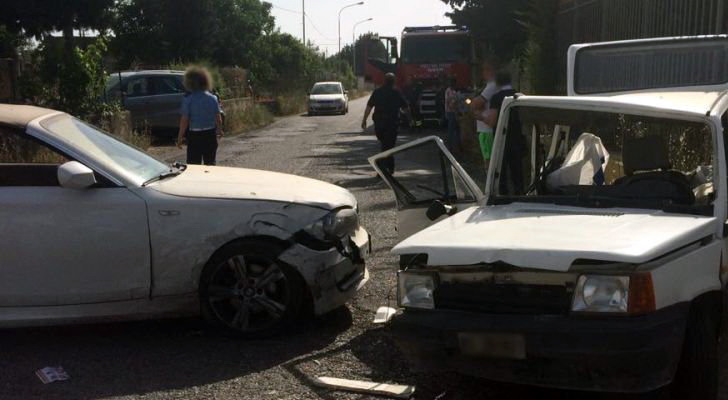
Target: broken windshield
x=606, y=159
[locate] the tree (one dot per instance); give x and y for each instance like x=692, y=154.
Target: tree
x=496, y=24
x=39, y=17
x=540, y=63
x=374, y=49
x=160, y=32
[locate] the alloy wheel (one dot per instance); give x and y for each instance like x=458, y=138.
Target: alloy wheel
x=248, y=294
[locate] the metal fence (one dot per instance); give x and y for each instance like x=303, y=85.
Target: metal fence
x=582, y=21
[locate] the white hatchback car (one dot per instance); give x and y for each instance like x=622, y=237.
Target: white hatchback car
x=96, y=229
x=329, y=98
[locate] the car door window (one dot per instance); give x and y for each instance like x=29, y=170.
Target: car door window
x=24, y=161
x=137, y=87
x=422, y=174
x=165, y=85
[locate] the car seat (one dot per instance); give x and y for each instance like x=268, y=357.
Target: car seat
x=648, y=173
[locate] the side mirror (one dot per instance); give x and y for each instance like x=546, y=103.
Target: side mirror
x=346, y=92
x=74, y=175
x=437, y=209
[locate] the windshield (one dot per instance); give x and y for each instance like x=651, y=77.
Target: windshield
x=605, y=159
x=108, y=151
x=326, y=88
x=434, y=49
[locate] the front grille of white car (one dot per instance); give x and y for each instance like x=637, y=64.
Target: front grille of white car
x=503, y=298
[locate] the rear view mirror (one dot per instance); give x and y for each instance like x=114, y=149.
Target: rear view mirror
x=437, y=209
x=74, y=175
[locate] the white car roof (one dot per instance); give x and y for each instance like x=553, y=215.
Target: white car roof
x=20, y=115
x=687, y=102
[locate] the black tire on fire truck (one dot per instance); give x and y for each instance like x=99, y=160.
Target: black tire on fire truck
x=697, y=374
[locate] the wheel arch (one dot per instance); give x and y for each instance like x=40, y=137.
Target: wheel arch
x=712, y=303
x=282, y=246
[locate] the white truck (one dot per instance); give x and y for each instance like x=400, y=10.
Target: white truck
x=595, y=257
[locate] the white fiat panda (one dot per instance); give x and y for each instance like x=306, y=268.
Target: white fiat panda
x=595, y=258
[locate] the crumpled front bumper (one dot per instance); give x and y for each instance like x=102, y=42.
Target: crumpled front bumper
x=609, y=354
x=333, y=275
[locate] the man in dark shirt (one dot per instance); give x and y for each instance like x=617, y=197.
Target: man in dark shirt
x=386, y=102
x=515, y=147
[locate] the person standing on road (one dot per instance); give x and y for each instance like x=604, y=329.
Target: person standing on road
x=386, y=101
x=480, y=109
x=201, y=123
x=451, y=112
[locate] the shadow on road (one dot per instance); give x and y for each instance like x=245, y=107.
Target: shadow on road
x=142, y=357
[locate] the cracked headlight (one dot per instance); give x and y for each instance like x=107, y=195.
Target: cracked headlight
x=335, y=225
x=602, y=294
x=416, y=290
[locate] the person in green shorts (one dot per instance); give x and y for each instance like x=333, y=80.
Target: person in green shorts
x=486, y=139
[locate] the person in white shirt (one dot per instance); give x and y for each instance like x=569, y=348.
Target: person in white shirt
x=480, y=107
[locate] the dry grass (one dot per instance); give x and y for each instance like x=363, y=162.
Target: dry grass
x=241, y=117
x=292, y=104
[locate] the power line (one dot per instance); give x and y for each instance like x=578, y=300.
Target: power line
x=310, y=20
x=285, y=9
x=317, y=29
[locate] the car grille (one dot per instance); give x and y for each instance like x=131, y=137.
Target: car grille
x=503, y=298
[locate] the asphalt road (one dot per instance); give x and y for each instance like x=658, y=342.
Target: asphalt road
x=183, y=359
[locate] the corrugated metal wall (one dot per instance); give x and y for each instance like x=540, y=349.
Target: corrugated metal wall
x=581, y=21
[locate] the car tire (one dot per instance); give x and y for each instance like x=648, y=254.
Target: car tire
x=247, y=292
x=311, y=113
x=697, y=373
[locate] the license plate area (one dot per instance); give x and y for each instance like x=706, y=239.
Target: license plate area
x=492, y=345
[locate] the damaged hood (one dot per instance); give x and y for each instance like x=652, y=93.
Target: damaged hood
x=553, y=237
x=251, y=184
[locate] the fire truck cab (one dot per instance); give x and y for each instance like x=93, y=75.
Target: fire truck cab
x=430, y=56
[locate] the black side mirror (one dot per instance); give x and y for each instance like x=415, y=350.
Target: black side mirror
x=437, y=209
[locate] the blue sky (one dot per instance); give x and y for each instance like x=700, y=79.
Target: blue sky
x=390, y=17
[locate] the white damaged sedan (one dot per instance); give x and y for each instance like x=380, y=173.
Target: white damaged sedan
x=94, y=229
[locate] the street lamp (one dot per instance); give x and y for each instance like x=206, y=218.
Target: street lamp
x=361, y=3
x=353, y=41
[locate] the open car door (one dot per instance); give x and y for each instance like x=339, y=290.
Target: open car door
x=428, y=183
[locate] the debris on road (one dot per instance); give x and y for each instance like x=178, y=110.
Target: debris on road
x=52, y=374
x=384, y=314
x=379, y=389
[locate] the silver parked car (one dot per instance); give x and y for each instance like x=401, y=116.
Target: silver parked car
x=153, y=97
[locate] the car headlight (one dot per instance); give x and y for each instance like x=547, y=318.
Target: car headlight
x=335, y=225
x=416, y=290
x=603, y=294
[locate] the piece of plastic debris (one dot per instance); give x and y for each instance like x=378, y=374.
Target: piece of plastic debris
x=52, y=374
x=317, y=362
x=384, y=314
x=379, y=389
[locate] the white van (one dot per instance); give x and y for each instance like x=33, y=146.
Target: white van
x=595, y=257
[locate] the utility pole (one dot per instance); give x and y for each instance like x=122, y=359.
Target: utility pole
x=303, y=8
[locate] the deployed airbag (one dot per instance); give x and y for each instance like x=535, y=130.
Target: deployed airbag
x=584, y=164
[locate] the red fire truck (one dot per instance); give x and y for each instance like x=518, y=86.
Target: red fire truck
x=429, y=57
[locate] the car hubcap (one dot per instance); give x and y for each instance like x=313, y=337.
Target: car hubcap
x=248, y=293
